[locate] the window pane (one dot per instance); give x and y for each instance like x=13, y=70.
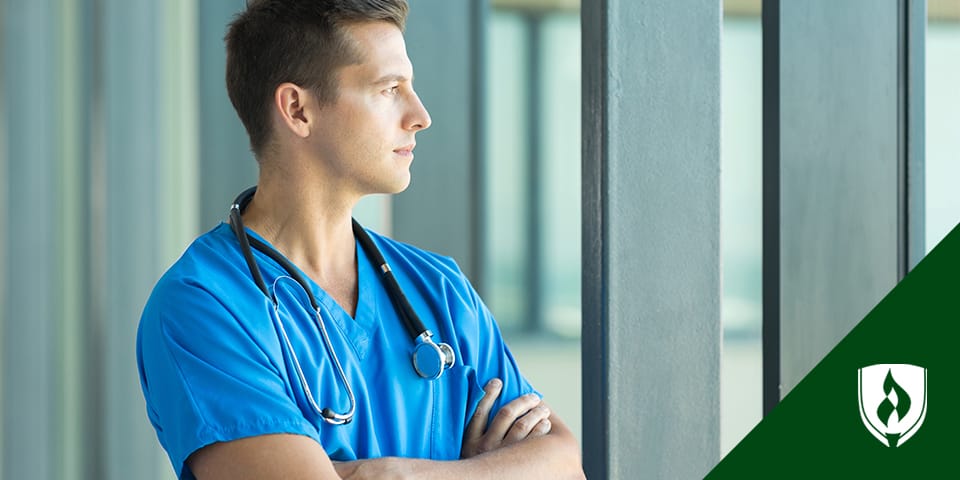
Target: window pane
x=741, y=223
x=942, y=161
x=506, y=169
x=533, y=196
x=560, y=164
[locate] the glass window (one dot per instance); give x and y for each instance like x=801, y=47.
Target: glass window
x=506, y=169
x=560, y=172
x=942, y=162
x=533, y=193
x=741, y=188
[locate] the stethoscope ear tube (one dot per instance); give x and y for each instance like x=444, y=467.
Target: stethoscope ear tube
x=328, y=414
x=409, y=317
x=236, y=224
x=430, y=359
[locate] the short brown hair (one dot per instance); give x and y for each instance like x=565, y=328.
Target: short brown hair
x=297, y=41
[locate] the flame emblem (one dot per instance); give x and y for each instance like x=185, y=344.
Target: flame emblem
x=893, y=401
x=899, y=402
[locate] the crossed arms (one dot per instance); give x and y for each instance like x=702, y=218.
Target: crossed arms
x=524, y=440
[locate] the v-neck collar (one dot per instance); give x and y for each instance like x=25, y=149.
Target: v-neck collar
x=359, y=329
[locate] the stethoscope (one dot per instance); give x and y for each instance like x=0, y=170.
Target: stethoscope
x=429, y=359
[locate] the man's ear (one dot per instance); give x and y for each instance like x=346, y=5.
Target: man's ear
x=296, y=107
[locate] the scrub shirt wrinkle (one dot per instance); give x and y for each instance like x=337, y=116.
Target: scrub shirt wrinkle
x=214, y=366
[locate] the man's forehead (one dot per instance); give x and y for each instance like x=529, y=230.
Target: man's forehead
x=374, y=39
x=382, y=51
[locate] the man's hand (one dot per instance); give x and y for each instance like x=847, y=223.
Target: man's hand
x=524, y=417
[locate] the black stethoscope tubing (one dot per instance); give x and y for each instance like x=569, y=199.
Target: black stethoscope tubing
x=429, y=359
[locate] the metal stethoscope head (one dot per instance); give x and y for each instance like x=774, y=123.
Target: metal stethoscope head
x=430, y=359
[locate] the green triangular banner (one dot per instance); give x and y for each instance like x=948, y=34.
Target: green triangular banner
x=834, y=422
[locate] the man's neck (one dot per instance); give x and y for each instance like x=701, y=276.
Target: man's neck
x=311, y=226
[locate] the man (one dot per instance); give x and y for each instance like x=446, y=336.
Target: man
x=292, y=359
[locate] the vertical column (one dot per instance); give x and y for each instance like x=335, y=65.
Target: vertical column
x=4, y=177
x=147, y=172
x=651, y=256
x=180, y=134
x=440, y=211
x=31, y=280
x=535, y=176
x=913, y=46
x=850, y=148
x=72, y=153
x=226, y=163
x=770, y=329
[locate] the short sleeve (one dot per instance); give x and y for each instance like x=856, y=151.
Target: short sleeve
x=210, y=373
x=493, y=358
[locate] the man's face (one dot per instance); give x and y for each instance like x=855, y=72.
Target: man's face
x=366, y=136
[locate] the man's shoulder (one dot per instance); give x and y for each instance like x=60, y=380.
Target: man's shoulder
x=206, y=268
x=205, y=257
x=398, y=253
x=205, y=298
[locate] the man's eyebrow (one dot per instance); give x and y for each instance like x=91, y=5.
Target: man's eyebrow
x=392, y=77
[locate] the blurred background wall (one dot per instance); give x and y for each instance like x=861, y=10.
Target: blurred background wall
x=118, y=145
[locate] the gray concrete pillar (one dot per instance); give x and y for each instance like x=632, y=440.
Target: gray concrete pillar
x=651, y=238
x=844, y=171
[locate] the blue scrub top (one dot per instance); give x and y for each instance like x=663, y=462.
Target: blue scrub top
x=214, y=368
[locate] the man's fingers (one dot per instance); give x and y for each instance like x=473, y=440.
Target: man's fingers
x=544, y=427
x=478, y=423
x=524, y=417
x=509, y=414
x=532, y=423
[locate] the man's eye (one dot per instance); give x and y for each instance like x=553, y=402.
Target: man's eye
x=392, y=90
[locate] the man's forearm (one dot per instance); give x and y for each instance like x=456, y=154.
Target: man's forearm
x=552, y=456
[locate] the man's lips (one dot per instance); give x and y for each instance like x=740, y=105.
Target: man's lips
x=406, y=149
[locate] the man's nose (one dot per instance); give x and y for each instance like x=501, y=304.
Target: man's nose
x=419, y=118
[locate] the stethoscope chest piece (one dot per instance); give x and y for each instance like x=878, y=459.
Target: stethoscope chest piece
x=431, y=359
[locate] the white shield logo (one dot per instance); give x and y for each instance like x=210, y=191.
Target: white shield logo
x=893, y=401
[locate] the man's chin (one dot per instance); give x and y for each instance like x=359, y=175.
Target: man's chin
x=403, y=186
x=397, y=187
